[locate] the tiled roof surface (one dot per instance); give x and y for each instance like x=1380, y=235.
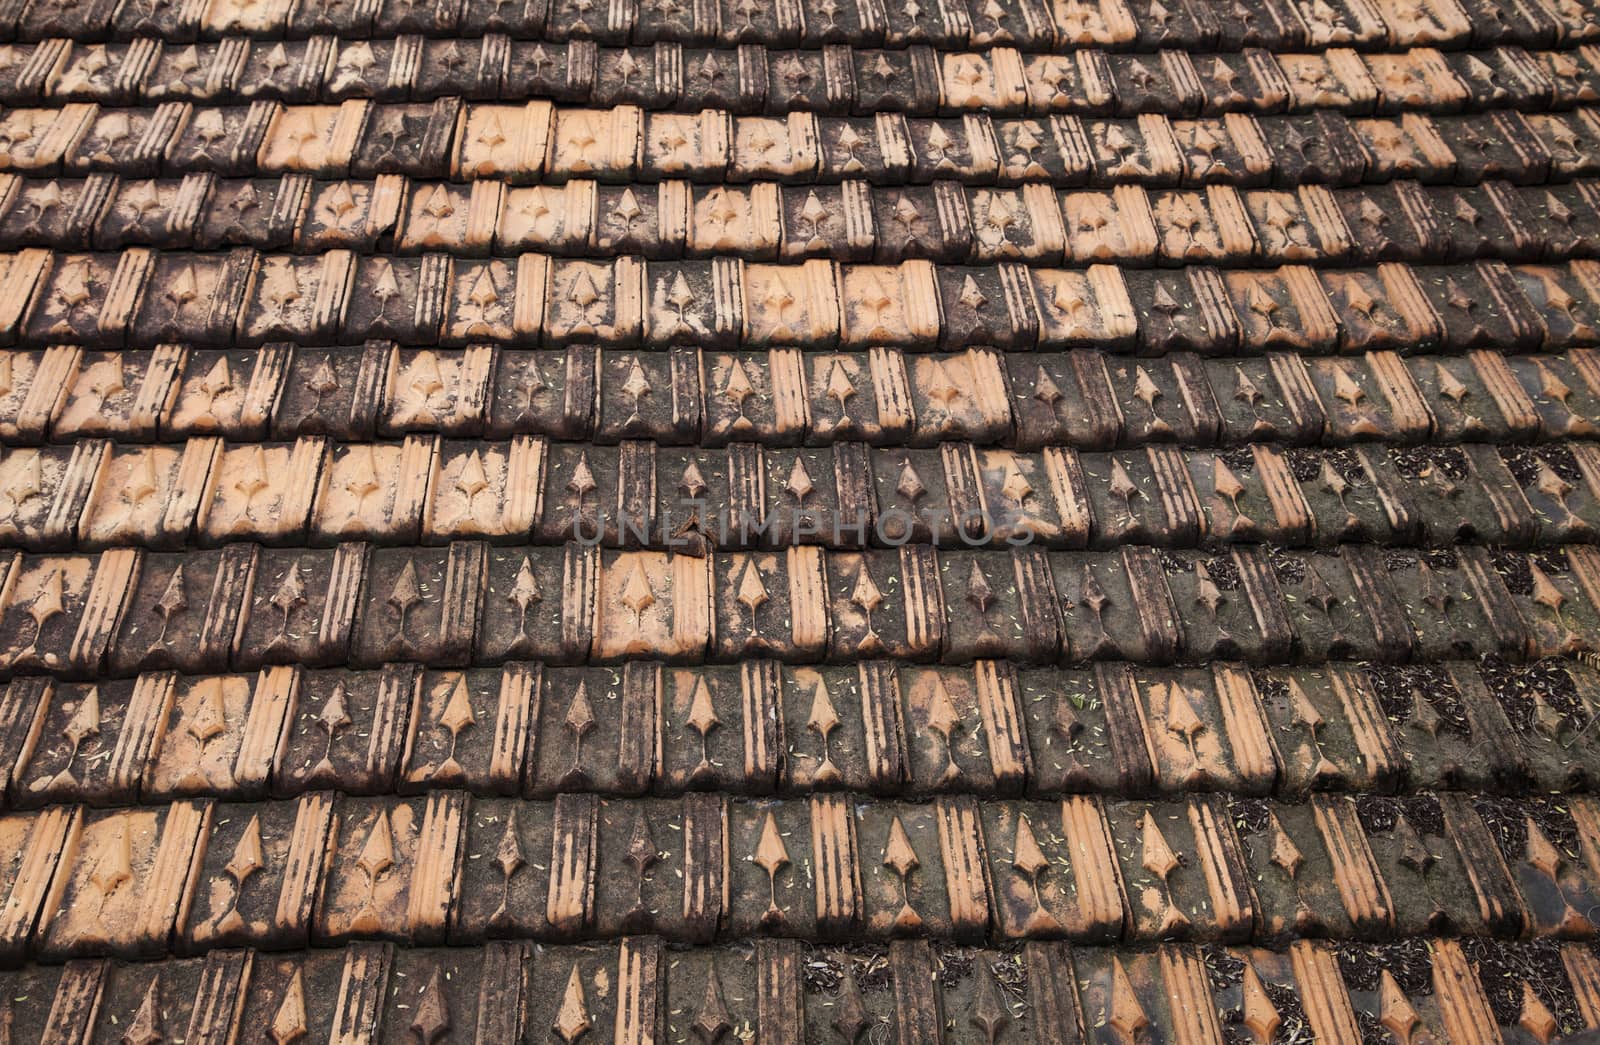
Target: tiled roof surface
x=799, y=521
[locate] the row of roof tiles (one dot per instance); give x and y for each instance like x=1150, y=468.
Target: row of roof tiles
x=1080, y=398
x=536, y=142
x=244, y=605
x=142, y=298
x=1029, y=24
x=526, y=490
x=639, y=991
x=838, y=79
x=766, y=728
x=325, y=869
x=853, y=221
